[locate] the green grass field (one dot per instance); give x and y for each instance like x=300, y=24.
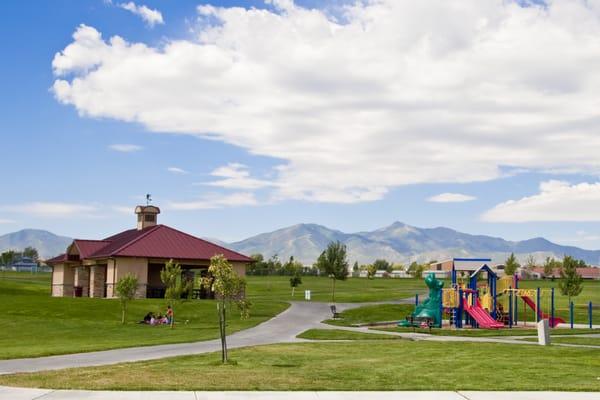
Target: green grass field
x=352, y=290
x=340, y=334
x=359, y=365
x=487, y=332
x=589, y=341
x=373, y=313
x=36, y=324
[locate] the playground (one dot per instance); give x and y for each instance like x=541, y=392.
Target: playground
x=477, y=298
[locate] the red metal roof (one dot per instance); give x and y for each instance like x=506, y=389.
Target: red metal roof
x=60, y=258
x=88, y=247
x=159, y=241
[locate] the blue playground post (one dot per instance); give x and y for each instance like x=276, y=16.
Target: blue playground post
x=416, y=299
x=510, y=309
x=571, y=313
x=590, y=314
x=552, y=307
x=538, y=313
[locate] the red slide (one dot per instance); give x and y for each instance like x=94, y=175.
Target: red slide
x=482, y=317
x=541, y=314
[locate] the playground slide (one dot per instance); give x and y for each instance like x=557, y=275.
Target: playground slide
x=482, y=317
x=542, y=315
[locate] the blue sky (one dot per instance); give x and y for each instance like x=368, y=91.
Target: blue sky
x=267, y=141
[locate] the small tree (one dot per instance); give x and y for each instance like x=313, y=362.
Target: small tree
x=383, y=265
x=295, y=281
x=228, y=287
x=334, y=264
x=530, y=262
x=550, y=264
x=571, y=283
x=511, y=265
x=126, y=289
x=371, y=271
x=175, y=287
x=31, y=252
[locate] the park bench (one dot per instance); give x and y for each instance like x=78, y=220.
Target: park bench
x=420, y=322
x=333, y=309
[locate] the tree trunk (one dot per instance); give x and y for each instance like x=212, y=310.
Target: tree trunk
x=293, y=288
x=221, y=307
x=225, y=333
x=333, y=291
x=123, y=314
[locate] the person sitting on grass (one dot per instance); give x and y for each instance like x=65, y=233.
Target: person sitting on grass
x=147, y=318
x=169, y=315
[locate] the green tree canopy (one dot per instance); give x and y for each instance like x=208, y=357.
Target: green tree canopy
x=571, y=283
x=383, y=265
x=511, y=265
x=31, y=252
x=295, y=281
x=333, y=263
x=228, y=287
x=126, y=289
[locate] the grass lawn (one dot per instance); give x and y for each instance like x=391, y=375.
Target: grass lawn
x=374, y=313
x=368, y=365
x=352, y=290
x=592, y=341
x=487, y=332
x=591, y=292
x=36, y=324
x=340, y=334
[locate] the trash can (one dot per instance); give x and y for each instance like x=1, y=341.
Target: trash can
x=307, y=295
x=77, y=291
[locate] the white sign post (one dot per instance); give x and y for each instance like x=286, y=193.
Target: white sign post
x=543, y=333
x=307, y=295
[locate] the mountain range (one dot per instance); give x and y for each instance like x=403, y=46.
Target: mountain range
x=397, y=242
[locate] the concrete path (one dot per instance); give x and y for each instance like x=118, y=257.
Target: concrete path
x=40, y=394
x=283, y=328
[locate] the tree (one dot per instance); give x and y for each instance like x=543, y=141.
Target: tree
x=383, y=265
x=550, y=265
x=334, y=264
x=511, y=265
x=31, y=252
x=530, y=262
x=571, y=283
x=295, y=281
x=355, y=267
x=416, y=269
x=371, y=271
x=228, y=286
x=8, y=257
x=126, y=289
x=175, y=286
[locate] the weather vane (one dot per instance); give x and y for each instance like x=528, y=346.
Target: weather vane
x=148, y=199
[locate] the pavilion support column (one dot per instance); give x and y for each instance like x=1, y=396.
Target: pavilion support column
x=82, y=280
x=98, y=280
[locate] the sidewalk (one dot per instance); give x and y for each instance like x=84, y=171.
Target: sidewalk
x=40, y=394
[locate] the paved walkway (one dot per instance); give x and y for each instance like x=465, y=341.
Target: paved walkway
x=283, y=328
x=40, y=394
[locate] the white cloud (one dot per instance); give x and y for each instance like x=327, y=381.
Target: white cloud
x=451, y=198
x=213, y=201
x=52, y=209
x=125, y=148
x=6, y=221
x=177, y=170
x=151, y=17
x=237, y=176
x=400, y=92
x=557, y=201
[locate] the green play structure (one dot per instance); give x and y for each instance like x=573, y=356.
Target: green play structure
x=429, y=312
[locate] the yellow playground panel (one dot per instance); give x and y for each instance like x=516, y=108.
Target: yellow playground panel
x=450, y=298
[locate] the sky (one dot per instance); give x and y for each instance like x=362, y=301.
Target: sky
x=241, y=117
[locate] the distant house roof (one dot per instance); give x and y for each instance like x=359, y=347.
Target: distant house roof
x=159, y=241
